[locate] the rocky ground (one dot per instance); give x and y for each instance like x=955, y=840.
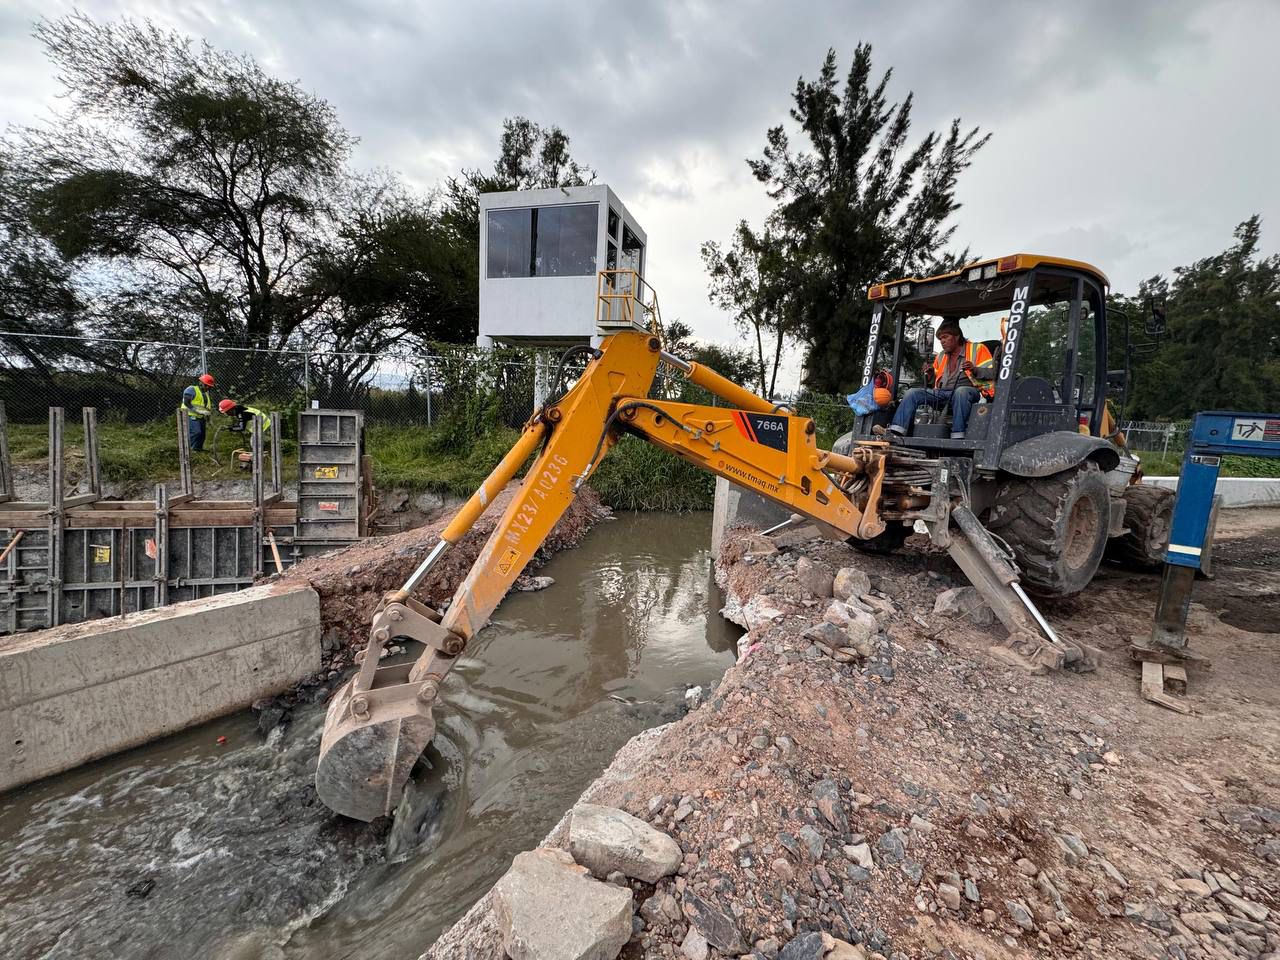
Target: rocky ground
x=868, y=781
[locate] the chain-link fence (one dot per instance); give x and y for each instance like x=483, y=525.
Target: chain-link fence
x=446, y=386
x=1168, y=439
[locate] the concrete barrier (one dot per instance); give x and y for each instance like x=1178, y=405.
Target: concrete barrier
x=73, y=694
x=1235, y=491
x=734, y=504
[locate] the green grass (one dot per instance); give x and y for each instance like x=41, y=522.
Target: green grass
x=1154, y=465
x=138, y=453
x=634, y=476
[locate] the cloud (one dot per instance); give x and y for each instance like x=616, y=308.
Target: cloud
x=1134, y=134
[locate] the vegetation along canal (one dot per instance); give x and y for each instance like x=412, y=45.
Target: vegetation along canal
x=191, y=848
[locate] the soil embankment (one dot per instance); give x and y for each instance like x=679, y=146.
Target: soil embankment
x=351, y=581
x=915, y=797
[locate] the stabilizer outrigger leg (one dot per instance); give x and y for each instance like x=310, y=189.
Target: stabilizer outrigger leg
x=1032, y=644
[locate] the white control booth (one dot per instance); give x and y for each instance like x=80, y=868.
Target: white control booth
x=540, y=251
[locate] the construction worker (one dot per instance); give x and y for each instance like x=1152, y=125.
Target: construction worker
x=962, y=373
x=243, y=415
x=198, y=404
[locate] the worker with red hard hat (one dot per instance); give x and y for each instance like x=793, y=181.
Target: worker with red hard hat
x=242, y=415
x=197, y=402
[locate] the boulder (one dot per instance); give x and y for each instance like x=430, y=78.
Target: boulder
x=815, y=577
x=850, y=582
x=604, y=839
x=549, y=909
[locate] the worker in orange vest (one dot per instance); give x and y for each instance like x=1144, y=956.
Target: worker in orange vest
x=962, y=373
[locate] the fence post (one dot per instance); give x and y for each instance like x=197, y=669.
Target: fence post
x=306, y=372
x=1165, y=452
x=428, y=389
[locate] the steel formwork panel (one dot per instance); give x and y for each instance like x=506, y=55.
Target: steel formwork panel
x=78, y=561
x=25, y=593
x=330, y=445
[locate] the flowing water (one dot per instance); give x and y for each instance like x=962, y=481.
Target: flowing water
x=188, y=848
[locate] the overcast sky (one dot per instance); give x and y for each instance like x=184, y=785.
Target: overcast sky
x=1132, y=135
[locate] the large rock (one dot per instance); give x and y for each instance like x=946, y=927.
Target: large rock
x=964, y=602
x=850, y=582
x=604, y=839
x=714, y=924
x=861, y=630
x=547, y=908
x=815, y=577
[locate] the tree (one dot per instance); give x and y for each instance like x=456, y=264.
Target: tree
x=735, y=363
x=530, y=157
x=1222, y=349
x=854, y=208
x=749, y=281
x=37, y=295
x=188, y=172
x=398, y=282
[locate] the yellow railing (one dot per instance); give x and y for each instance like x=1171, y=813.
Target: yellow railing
x=625, y=299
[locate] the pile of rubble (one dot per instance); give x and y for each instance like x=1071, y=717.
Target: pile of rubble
x=867, y=782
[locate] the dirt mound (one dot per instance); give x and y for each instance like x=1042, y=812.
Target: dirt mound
x=352, y=581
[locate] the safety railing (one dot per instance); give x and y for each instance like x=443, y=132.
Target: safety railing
x=625, y=299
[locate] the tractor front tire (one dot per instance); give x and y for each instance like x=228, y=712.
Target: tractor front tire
x=1056, y=526
x=1148, y=513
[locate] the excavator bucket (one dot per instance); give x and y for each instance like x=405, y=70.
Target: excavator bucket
x=371, y=740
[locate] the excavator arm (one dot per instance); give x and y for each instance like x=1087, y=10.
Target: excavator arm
x=380, y=721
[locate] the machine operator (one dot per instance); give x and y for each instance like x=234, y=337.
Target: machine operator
x=961, y=374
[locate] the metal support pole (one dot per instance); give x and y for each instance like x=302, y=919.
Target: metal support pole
x=6, y=466
x=91, y=456
x=204, y=363
x=160, y=573
x=428, y=389
x=184, y=454
x=306, y=373
x=57, y=419
x=259, y=518
x=276, y=454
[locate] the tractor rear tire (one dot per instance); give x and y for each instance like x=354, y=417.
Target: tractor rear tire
x=887, y=541
x=1148, y=513
x=1056, y=525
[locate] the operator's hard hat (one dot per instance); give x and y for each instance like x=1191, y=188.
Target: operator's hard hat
x=883, y=378
x=226, y=406
x=206, y=379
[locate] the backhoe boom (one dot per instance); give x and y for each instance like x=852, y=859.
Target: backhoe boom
x=380, y=721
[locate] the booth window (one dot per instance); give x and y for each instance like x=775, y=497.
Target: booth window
x=557, y=241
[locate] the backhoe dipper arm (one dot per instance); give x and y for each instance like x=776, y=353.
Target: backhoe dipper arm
x=380, y=721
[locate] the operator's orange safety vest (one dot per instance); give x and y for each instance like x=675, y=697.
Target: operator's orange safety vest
x=976, y=352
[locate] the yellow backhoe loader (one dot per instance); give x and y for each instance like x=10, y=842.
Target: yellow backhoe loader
x=868, y=491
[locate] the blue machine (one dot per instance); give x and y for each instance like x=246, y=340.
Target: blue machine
x=1214, y=435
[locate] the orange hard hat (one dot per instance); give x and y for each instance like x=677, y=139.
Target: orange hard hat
x=206, y=379
x=226, y=406
x=883, y=396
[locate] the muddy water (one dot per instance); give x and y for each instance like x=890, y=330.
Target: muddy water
x=187, y=848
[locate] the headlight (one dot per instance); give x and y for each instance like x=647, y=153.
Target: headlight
x=975, y=273
x=989, y=271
